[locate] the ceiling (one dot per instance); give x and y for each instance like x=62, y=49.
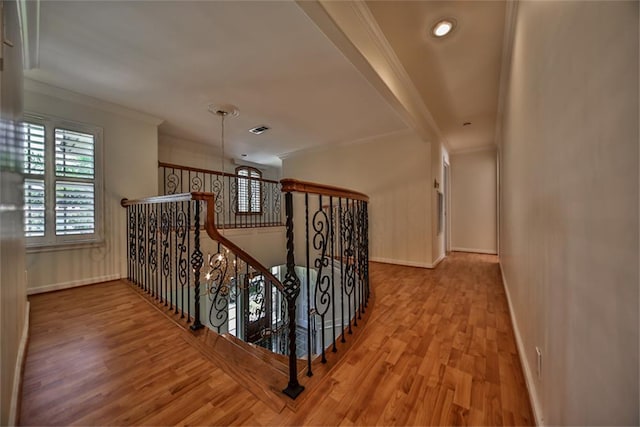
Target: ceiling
x=172, y=59
x=457, y=76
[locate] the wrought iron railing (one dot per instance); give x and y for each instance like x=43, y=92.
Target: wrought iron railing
x=335, y=284
x=207, y=280
x=210, y=281
x=229, y=191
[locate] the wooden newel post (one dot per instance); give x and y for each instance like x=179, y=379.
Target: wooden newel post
x=291, y=290
x=196, y=263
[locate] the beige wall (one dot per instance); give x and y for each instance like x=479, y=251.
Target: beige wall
x=395, y=172
x=183, y=152
x=473, y=202
x=13, y=295
x=130, y=171
x=569, y=207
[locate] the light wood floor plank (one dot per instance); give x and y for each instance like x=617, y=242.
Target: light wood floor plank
x=437, y=349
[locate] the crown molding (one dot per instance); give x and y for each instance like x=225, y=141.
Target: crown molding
x=42, y=88
x=354, y=31
x=505, y=65
x=416, y=106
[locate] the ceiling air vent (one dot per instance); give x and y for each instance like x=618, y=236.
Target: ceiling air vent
x=259, y=129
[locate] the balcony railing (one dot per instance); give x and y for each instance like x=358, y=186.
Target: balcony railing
x=207, y=280
x=332, y=229
x=232, y=206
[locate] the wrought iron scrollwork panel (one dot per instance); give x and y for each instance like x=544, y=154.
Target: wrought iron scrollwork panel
x=165, y=226
x=141, y=243
x=219, y=288
x=196, y=183
x=172, y=183
x=153, y=248
x=321, y=262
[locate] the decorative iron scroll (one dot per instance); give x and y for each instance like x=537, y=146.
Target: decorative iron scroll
x=132, y=235
x=172, y=183
x=218, y=289
x=141, y=242
x=347, y=224
x=165, y=223
x=182, y=225
x=153, y=249
x=321, y=236
x=196, y=183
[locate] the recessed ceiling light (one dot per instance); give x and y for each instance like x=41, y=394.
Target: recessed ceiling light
x=259, y=129
x=443, y=27
x=243, y=155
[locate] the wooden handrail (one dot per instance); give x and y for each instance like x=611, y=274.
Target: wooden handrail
x=212, y=172
x=293, y=185
x=212, y=231
x=179, y=197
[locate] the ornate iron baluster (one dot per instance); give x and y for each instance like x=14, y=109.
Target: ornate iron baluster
x=196, y=183
x=132, y=242
x=291, y=290
x=181, y=247
x=196, y=264
x=333, y=299
x=341, y=251
x=359, y=288
x=276, y=204
x=181, y=257
x=309, y=313
x=141, y=245
x=322, y=299
x=366, y=249
x=347, y=237
x=165, y=222
x=218, y=290
x=153, y=250
x=172, y=181
x=217, y=189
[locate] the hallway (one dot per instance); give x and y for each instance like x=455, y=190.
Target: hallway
x=438, y=349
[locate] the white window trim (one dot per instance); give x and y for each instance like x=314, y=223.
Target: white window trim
x=50, y=241
x=249, y=194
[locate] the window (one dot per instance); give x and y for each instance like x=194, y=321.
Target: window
x=62, y=182
x=249, y=191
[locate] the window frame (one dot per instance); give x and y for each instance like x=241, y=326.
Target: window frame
x=249, y=190
x=51, y=240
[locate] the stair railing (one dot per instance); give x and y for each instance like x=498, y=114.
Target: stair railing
x=167, y=261
x=332, y=241
x=228, y=189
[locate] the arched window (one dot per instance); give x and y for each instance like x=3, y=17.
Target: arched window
x=249, y=190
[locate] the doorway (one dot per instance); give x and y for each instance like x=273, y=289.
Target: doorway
x=446, y=192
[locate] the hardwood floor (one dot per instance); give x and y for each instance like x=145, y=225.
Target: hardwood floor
x=438, y=349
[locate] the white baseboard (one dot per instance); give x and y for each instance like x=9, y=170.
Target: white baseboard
x=72, y=284
x=476, y=251
x=17, y=373
x=403, y=262
x=528, y=376
x=438, y=261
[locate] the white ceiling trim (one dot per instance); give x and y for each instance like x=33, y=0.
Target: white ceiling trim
x=78, y=98
x=414, y=103
x=505, y=70
x=354, y=30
